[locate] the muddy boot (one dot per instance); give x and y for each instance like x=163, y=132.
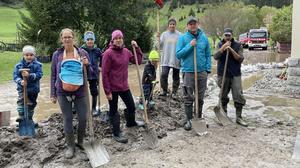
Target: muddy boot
x=189, y=115
x=200, y=111
x=164, y=93
x=80, y=137
x=120, y=138
x=224, y=107
x=70, y=146
x=94, y=111
x=239, y=119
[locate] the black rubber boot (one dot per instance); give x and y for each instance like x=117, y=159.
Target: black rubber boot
x=189, y=115
x=70, y=146
x=120, y=138
x=80, y=137
x=239, y=119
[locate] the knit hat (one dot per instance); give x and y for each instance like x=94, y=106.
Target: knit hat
x=89, y=35
x=116, y=33
x=29, y=49
x=153, y=55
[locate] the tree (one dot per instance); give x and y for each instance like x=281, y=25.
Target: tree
x=100, y=16
x=192, y=12
x=281, y=27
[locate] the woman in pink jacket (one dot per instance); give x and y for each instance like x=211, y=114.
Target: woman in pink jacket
x=115, y=82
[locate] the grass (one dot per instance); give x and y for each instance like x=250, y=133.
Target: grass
x=8, y=62
x=9, y=18
x=177, y=13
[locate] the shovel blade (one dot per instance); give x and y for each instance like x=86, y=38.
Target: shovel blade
x=150, y=138
x=199, y=126
x=96, y=153
x=26, y=128
x=221, y=116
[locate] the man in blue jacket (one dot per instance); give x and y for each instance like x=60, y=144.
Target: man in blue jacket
x=194, y=37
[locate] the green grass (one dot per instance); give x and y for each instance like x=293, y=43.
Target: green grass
x=177, y=13
x=8, y=62
x=9, y=18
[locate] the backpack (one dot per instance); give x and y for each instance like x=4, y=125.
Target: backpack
x=71, y=73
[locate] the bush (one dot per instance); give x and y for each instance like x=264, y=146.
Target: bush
x=281, y=27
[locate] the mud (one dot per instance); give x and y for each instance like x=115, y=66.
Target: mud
x=272, y=112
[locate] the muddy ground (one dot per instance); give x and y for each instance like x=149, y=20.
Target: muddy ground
x=272, y=113
x=267, y=142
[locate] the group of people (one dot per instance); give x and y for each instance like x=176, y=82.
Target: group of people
x=69, y=64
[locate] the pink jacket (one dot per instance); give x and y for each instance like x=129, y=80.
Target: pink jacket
x=115, y=68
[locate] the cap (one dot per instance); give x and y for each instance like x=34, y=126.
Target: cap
x=192, y=19
x=228, y=31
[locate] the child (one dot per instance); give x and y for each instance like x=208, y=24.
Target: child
x=33, y=77
x=95, y=55
x=149, y=76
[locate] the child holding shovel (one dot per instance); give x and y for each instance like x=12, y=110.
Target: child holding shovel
x=149, y=76
x=30, y=69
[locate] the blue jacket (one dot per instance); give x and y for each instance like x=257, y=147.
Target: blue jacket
x=35, y=74
x=185, y=52
x=95, y=55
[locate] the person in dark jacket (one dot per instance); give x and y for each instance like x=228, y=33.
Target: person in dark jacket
x=149, y=76
x=233, y=79
x=69, y=52
x=95, y=55
x=33, y=77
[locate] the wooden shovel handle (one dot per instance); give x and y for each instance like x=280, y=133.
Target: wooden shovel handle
x=140, y=84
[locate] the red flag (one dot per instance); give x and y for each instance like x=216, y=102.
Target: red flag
x=160, y=3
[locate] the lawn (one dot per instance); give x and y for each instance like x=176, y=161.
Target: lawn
x=8, y=62
x=9, y=18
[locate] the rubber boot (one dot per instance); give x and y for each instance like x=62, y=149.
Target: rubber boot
x=20, y=109
x=70, y=146
x=189, y=115
x=80, y=137
x=30, y=116
x=239, y=119
x=200, y=111
x=225, y=108
x=120, y=138
x=94, y=111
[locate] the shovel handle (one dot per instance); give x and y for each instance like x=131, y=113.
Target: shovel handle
x=196, y=82
x=140, y=84
x=223, y=78
x=99, y=103
x=89, y=112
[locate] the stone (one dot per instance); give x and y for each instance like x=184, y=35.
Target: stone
x=294, y=80
x=294, y=71
x=294, y=62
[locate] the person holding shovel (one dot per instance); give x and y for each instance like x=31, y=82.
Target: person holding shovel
x=148, y=79
x=67, y=86
x=33, y=75
x=193, y=40
x=115, y=82
x=95, y=55
x=168, y=40
x=233, y=80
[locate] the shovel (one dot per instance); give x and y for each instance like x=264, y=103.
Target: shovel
x=95, y=151
x=26, y=126
x=219, y=111
x=199, y=124
x=148, y=134
x=103, y=115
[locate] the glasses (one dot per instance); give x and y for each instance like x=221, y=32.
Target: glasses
x=67, y=37
x=227, y=35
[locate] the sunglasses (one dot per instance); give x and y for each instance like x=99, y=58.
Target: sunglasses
x=227, y=35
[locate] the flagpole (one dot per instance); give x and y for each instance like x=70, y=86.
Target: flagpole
x=158, y=48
